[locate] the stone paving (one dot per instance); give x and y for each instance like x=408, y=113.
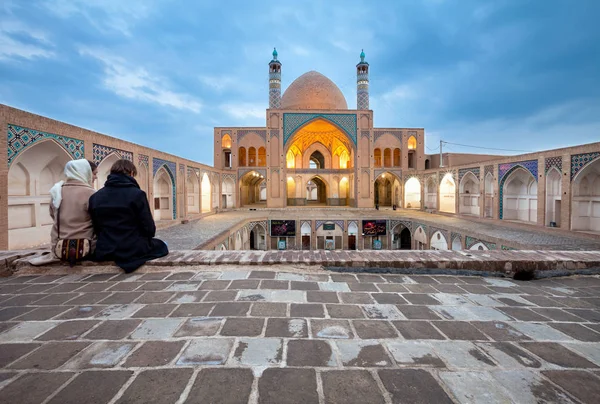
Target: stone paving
x=233, y=335
x=193, y=234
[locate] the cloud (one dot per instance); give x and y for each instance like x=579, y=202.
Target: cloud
x=245, y=110
x=104, y=15
x=18, y=40
x=219, y=83
x=129, y=81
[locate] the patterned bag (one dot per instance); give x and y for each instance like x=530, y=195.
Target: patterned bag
x=70, y=250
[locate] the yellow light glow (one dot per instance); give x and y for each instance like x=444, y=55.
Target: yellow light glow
x=412, y=143
x=291, y=159
x=412, y=193
x=344, y=179
x=226, y=141
x=290, y=179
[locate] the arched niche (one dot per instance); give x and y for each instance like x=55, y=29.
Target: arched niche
x=317, y=191
x=245, y=239
x=489, y=195
x=226, y=141
x=250, y=188
x=553, y=197
x=520, y=196
x=163, y=195
x=30, y=176
x=401, y=238
x=469, y=195
x=306, y=233
x=420, y=239
x=104, y=168
x=205, y=194
x=329, y=237
x=227, y=194
x=142, y=177
x=431, y=193
x=412, y=194
x=448, y=194
x=238, y=241
x=193, y=192
x=438, y=241
x=242, y=156
x=352, y=235
x=258, y=237
x=479, y=246
x=585, y=207
x=387, y=190
x=262, y=157
x=456, y=244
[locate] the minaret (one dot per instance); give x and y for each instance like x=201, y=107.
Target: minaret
x=362, y=83
x=274, y=82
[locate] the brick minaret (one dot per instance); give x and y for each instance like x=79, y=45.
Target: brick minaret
x=274, y=82
x=362, y=83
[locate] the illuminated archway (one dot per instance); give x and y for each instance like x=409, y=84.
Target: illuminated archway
x=250, y=188
x=227, y=194
x=520, y=196
x=205, y=192
x=192, y=190
x=387, y=190
x=438, y=241
x=412, y=194
x=431, y=193
x=316, y=191
x=469, y=194
x=448, y=194
x=164, y=204
x=585, y=207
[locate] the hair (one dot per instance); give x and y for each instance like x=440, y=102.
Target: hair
x=124, y=167
x=93, y=165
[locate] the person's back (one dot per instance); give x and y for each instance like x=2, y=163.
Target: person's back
x=123, y=221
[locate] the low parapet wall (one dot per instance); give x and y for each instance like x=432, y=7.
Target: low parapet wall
x=518, y=264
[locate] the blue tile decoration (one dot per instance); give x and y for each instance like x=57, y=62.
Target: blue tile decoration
x=365, y=133
x=463, y=171
x=406, y=223
x=550, y=162
x=432, y=231
x=171, y=169
x=579, y=161
x=293, y=121
x=504, y=171
x=20, y=139
x=274, y=133
x=471, y=241
x=143, y=160
x=488, y=169
x=396, y=133
x=454, y=236
x=100, y=152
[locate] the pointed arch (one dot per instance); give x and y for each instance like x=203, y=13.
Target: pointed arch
x=205, y=194
x=226, y=141
x=431, y=193
x=489, y=195
x=438, y=241
x=104, y=168
x=242, y=156
x=553, y=197
x=262, y=157
x=585, y=197
x=518, y=196
x=165, y=196
x=447, y=194
x=412, y=193
x=469, y=194
x=192, y=190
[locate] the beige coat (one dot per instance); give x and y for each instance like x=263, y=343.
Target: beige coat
x=75, y=220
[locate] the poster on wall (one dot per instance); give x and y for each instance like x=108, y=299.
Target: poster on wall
x=377, y=244
x=283, y=228
x=329, y=244
x=374, y=228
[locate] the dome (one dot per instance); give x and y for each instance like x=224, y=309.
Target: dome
x=312, y=90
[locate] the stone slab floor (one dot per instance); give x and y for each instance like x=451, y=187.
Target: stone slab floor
x=237, y=336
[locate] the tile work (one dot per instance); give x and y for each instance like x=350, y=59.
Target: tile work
x=288, y=336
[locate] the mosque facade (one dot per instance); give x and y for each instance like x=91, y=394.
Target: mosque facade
x=314, y=151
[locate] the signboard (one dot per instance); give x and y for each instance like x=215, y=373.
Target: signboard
x=374, y=228
x=283, y=228
x=377, y=244
x=281, y=244
x=329, y=244
x=328, y=226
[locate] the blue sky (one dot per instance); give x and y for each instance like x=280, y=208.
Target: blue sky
x=512, y=74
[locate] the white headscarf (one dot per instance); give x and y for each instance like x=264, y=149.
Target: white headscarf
x=77, y=170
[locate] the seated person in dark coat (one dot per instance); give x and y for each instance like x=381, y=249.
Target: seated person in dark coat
x=123, y=222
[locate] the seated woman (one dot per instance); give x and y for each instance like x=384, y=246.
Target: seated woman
x=123, y=221
x=69, y=205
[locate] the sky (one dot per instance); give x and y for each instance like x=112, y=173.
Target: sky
x=508, y=74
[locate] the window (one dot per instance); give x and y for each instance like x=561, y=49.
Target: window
x=242, y=156
x=396, y=157
x=377, y=155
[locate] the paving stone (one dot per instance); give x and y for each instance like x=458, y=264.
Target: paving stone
x=89, y=298
x=154, y=353
x=370, y=278
x=374, y=329
x=4, y=326
x=420, y=298
x=154, y=286
x=499, y=331
x=463, y=355
x=388, y=298
x=460, y=330
x=343, y=278
x=99, y=387
x=244, y=284
x=26, y=331
x=182, y=286
x=6, y=378
x=121, y=298
x=55, y=299
x=180, y=276
x=417, y=330
x=582, y=385
x=589, y=315
x=101, y=355
x=315, y=353
x=448, y=299
x=206, y=275
x=274, y=284
x=258, y=352
x=362, y=287
x=287, y=276
x=81, y=312
x=298, y=285
x=290, y=296
x=254, y=295
x=119, y=311
x=234, y=275
x=231, y=309
x=509, y=355
x=421, y=288
x=322, y=297
x=188, y=297
x=344, y=311
x=33, y=388
x=214, y=285
x=268, y=309
x=477, y=289
x=573, y=302
x=542, y=301
x=589, y=351
x=357, y=298
x=113, y=329
x=262, y=275
x=577, y=331
x=94, y=287
x=155, y=297
x=541, y=332
x=64, y=287
x=392, y=288
x=99, y=278
x=418, y=312
x=413, y=386
x=155, y=310
x=192, y=310
x=12, y=312
x=220, y=296
x=160, y=328
x=22, y=300
x=557, y=314
x=126, y=286
x=50, y=355
x=523, y=314
x=351, y=387
x=529, y=387
x=334, y=286
x=557, y=354
x=475, y=387
x=362, y=353
x=149, y=387
x=335, y=329
x=68, y=330
x=11, y=352
x=444, y=288
x=447, y=279
x=226, y=386
x=206, y=351
x=242, y=327
x=307, y=310
x=287, y=327
x=200, y=327
x=470, y=313
x=414, y=353
x=287, y=386
x=382, y=311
